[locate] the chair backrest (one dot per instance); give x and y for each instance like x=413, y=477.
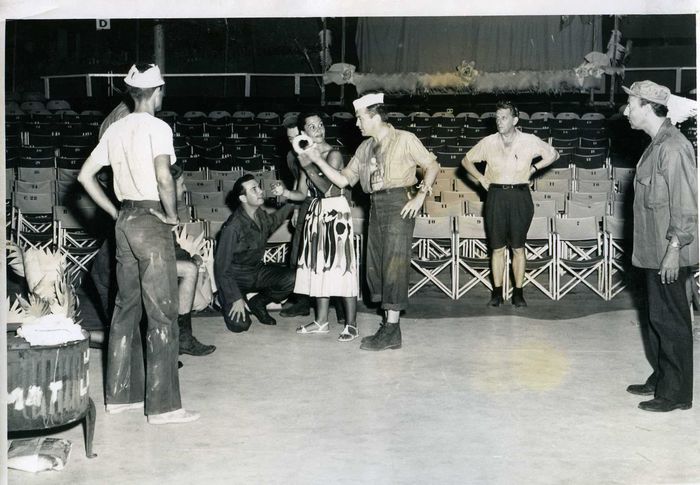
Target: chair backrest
x=541, y=115
x=475, y=208
x=577, y=228
x=567, y=115
x=450, y=197
x=439, y=209
x=598, y=174
x=467, y=114
x=552, y=185
x=617, y=226
x=43, y=186
x=592, y=116
x=588, y=197
x=557, y=197
x=31, y=174
x=594, y=186
x=208, y=213
x=433, y=227
x=213, y=199
x=581, y=209
x=471, y=227
x=545, y=208
x=281, y=235
x=203, y=185
x=540, y=228
x=33, y=203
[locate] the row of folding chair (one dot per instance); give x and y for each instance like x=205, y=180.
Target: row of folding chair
x=452, y=254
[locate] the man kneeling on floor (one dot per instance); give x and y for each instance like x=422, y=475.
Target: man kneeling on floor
x=238, y=264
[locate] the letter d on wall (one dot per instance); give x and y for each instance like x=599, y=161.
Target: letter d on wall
x=102, y=24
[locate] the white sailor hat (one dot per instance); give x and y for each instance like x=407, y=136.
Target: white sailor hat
x=150, y=78
x=368, y=100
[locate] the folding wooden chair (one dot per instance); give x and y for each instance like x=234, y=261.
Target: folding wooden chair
x=581, y=255
x=73, y=238
x=473, y=260
x=433, y=254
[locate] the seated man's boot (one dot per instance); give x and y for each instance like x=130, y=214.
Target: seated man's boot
x=300, y=308
x=188, y=343
x=257, y=306
x=388, y=337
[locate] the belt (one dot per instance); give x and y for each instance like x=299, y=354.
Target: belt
x=510, y=186
x=143, y=204
x=392, y=190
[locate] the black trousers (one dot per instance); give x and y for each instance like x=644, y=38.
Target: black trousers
x=272, y=282
x=669, y=337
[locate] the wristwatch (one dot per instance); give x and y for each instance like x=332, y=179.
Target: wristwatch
x=675, y=244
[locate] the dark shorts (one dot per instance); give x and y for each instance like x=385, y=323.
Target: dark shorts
x=507, y=215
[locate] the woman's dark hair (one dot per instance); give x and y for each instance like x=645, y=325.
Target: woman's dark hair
x=301, y=119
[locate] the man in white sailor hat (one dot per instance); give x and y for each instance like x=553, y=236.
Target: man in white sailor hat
x=385, y=164
x=139, y=149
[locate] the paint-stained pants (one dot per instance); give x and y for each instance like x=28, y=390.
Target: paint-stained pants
x=146, y=272
x=389, y=238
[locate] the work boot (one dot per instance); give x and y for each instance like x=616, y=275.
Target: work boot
x=370, y=338
x=295, y=299
x=257, y=306
x=496, y=296
x=300, y=308
x=518, y=299
x=188, y=343
x=388, y=337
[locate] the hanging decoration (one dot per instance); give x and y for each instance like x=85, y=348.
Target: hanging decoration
x=468, y=79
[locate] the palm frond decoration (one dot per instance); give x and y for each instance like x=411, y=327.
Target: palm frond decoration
x=67, y=301
x=42, y=267
x=15, y=312
x=34, y=307
x=193, y=245
x=15, y=258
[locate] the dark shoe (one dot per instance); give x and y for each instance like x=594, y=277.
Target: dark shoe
x=188, y=343
x=496, y=296
x=641, y=389
x=518, y=300
x=257, y=306
x=296, y=299
x=387, y=338
x=662, y=405
x=370, y=338
x=300, y=309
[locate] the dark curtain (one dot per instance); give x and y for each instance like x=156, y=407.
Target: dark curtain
x=438, y=44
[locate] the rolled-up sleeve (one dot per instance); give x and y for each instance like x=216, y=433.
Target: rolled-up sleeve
x=420, y=155
x=680, y=173
x=352, y=171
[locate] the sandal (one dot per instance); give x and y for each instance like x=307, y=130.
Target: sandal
x=314, y=327
x=348, y=334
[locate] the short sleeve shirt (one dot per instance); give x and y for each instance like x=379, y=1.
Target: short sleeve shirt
x=130, y=146
x=390, y=164
x=509, y=164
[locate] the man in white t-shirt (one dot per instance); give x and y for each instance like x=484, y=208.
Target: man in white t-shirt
x=509, y=208
x=139, y=148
